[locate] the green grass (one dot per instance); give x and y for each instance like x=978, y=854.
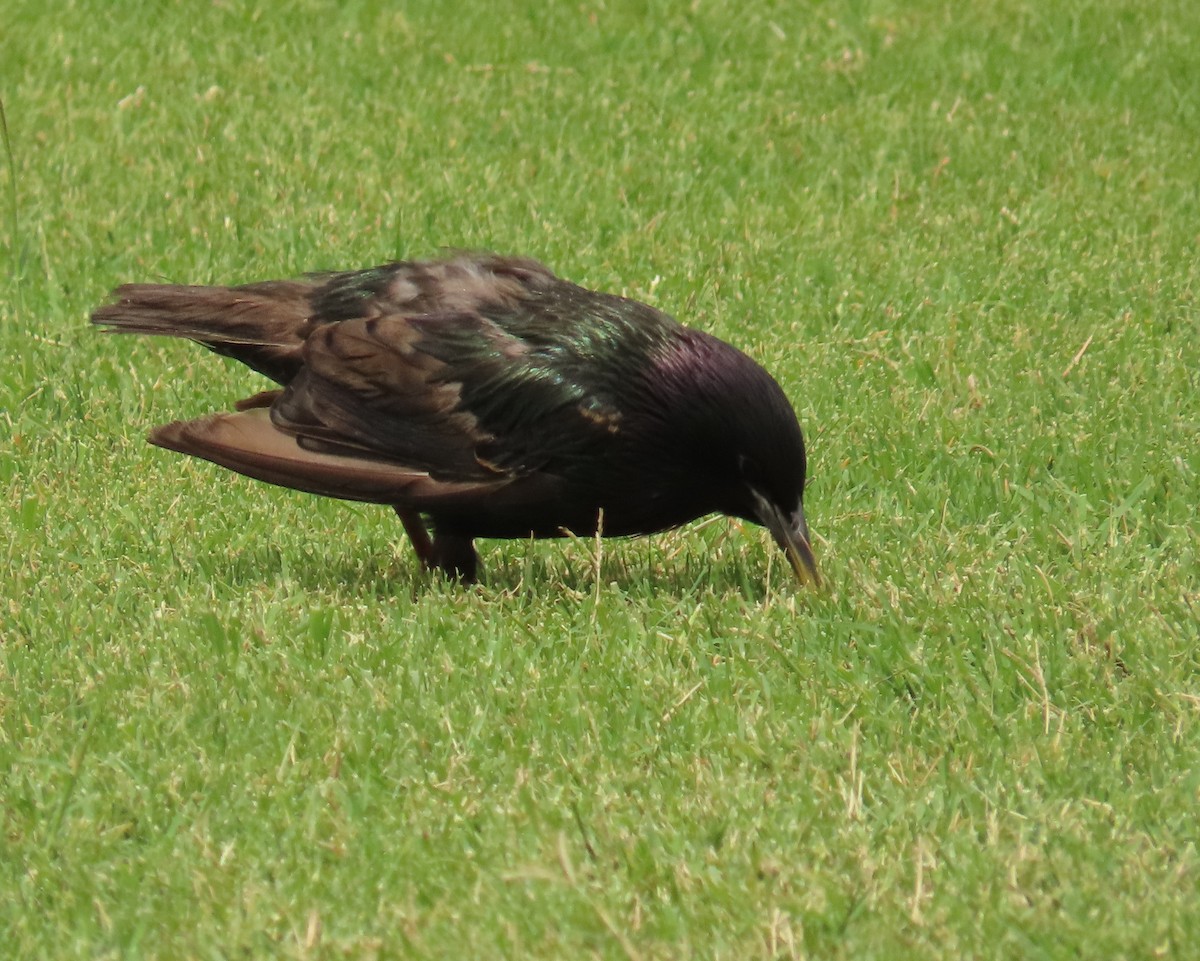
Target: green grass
x=237, y=722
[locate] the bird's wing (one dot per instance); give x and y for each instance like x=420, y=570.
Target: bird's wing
x=369, y=416
x=367, y=389
x=454, y=394
x=477, y=368
x=247, y=442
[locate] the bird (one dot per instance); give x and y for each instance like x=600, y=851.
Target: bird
x=479, y=395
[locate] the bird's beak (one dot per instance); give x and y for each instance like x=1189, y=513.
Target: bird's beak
x=790, y=532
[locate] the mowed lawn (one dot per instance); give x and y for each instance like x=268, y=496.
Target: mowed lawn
x=239, y=722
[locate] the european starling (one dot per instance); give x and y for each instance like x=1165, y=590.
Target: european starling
x=487, y=397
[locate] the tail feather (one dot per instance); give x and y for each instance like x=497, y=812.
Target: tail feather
x=262, y=325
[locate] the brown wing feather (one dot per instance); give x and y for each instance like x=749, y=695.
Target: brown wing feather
x=250, y=444
x=367, y=386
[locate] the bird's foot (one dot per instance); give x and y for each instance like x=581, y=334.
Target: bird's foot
x=452, y=554
x=455, y=557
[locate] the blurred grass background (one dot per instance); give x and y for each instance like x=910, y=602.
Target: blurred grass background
x=237, y=721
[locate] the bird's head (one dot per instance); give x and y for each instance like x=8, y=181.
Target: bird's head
x=743, y=434
x=770, y=470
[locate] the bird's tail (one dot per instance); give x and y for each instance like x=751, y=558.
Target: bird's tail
x=262, y=325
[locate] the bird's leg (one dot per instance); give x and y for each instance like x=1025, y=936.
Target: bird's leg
x=455, y=556
x=414, y=527
x=452, y=554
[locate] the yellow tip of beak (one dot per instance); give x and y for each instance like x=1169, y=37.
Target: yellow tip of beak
x=800, y=556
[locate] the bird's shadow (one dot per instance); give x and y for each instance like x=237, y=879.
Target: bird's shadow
x=675, y=565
